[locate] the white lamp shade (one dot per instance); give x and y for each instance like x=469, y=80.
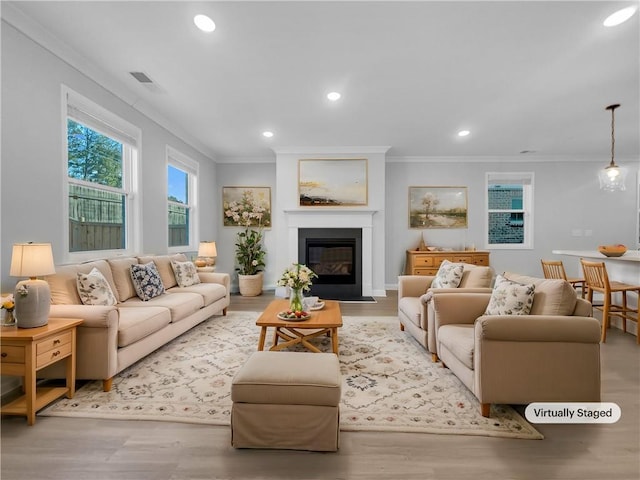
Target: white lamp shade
x=207, y=249
x=32, y=260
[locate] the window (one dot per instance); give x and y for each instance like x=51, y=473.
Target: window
x=182, y=177
x=510, y=210
x=101, y=163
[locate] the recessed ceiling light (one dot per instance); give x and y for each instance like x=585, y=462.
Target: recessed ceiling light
x=204, y=23
x=333, y=96
x=463, y=133
x=267, y=134
x=620, y=16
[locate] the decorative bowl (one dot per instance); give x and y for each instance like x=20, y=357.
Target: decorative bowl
x=612, y=250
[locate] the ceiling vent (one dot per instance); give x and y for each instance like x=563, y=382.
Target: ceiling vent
x=146, y=82
x=141, y=77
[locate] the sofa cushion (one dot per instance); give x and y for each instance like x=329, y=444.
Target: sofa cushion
x=412, y=308
x=186, y=273
x=459, y=340
x=475, y=276
x=449, y=275
x=94, y=289
x=147, y=281
x=552, y=296
x=137, y=323
x=210, y=292
x=63, y=283
x=163, y=264
x=510, y=298
x=121, y=270
x=180, y=304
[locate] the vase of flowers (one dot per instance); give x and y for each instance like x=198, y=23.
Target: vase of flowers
x=250, y=253
x=8, y=305
x=298, y=278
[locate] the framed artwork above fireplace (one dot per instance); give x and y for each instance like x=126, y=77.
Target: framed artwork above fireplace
x=332, y=182
x=438, y=207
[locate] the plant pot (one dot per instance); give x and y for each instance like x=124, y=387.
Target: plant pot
x=250, y=285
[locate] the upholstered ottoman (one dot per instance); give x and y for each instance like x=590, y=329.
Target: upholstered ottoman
x=287, y=400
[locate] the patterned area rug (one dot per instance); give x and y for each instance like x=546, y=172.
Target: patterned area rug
x=389, y=383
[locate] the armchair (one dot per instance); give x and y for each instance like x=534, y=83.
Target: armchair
x=550, y=355
x=415, y=293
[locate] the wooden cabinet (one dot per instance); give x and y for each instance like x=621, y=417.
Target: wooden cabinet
x=427, y=263
x=25, y=351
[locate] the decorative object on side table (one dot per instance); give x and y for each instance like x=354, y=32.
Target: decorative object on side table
x=249, y=212
x=32, y=297
x=298, y=278
x=207, y=254
x=8, y=319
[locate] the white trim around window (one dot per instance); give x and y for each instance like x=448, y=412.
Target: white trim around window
x=182, y=162
x=520, y=216
x=84, y=111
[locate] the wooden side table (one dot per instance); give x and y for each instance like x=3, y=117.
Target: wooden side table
x=24, y=351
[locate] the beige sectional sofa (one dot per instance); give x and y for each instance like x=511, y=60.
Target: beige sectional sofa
x=550, y=355
x=415, y=292
x=111, y=338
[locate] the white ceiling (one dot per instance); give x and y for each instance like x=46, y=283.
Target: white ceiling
x=520, y=75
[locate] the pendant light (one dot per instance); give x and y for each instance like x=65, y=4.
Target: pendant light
x=612, y=176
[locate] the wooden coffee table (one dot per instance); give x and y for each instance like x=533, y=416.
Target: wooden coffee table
x=325, y=321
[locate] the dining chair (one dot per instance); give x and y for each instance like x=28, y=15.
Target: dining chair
x=555, y=269
x=597, y=280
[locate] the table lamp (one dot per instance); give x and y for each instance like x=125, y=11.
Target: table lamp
x=32, y=297
x=207, y=251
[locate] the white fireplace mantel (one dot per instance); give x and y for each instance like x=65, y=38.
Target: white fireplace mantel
x=318, y=217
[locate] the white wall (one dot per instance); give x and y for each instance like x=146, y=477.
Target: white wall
x=33, y=169
x=566, y=198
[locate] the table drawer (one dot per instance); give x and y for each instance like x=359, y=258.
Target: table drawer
x=484, y=261
x=420, y=261
x=53, y=342
x=462, y=259
x=12, y=354
x=425, y=271
x=52, y=356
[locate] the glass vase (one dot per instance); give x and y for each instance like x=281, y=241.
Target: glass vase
x=295, y=300
x=9, y=320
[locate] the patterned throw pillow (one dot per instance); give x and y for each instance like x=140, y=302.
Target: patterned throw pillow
x=94, y=289
x=510, y=298
x=449, y=275
x=147, y=281
x=186, y=273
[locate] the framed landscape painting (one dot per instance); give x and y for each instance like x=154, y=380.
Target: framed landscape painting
x=246, y=206
x=438, y=207
x=332, y=182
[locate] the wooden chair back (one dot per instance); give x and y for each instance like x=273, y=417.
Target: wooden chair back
x=595, y=275
x=553, y=269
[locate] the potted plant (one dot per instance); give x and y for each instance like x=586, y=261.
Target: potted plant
x=250, y=252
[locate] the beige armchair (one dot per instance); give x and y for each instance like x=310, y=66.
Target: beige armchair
x=550, y=355
x=415, y=292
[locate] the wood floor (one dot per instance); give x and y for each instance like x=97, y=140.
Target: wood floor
x=86, y=449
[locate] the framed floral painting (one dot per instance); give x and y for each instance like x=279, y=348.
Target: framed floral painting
x=246, y=206
x=438, y=207
x=332, y=182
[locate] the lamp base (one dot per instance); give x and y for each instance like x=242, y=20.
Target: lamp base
x=32, y=309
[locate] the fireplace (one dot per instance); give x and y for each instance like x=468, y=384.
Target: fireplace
x=335, y=255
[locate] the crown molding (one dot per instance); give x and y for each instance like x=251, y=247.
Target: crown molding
x=15, y=17
x=337, y=150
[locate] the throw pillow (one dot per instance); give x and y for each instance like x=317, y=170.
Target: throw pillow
x=186, y=273
x=449, y=275
x=510, y=298
x=146, y=281
x=94, y=289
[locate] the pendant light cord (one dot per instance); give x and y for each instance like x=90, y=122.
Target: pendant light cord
x=613, y=138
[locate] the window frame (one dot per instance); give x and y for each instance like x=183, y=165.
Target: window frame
x=526, y=179
x=91, y=115
x=182, y=162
